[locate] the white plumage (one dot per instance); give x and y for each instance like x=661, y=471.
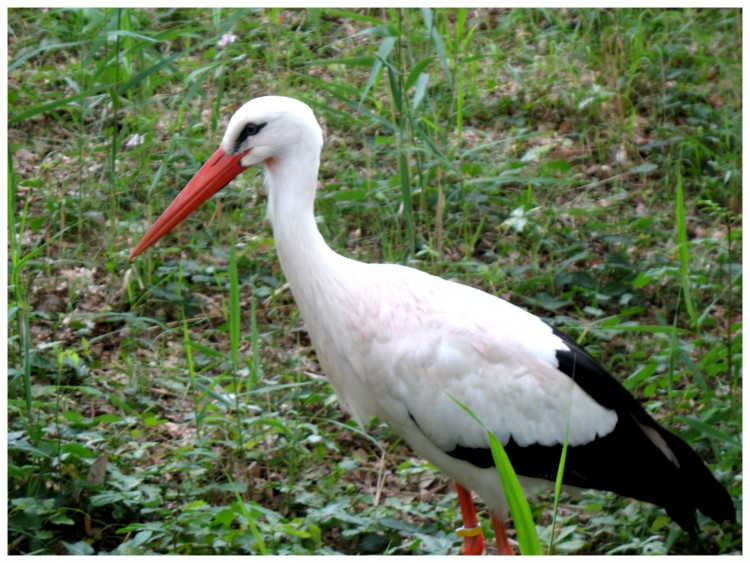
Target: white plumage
x=395, y=342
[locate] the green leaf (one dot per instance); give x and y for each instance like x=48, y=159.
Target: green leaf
x=107, y=418
x=78, y=548
x=74, y=417
x=77, y=450
x=194, y=505
x=62, y=519
x=644, y=168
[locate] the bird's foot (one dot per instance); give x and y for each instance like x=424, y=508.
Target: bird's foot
x=473, y=540
x=501, y=536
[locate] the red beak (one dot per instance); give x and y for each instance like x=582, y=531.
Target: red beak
x=213, y=175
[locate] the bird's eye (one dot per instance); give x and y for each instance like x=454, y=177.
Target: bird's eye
x=250, y=130
x=247, y=131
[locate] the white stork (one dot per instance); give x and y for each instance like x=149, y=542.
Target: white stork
x=395, y=342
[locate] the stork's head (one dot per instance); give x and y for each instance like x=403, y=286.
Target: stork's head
x=271, y=127
x=263, y=131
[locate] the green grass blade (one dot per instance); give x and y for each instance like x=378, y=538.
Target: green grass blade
x=406, y=201
x=528, y=540
x=682, y=243
x=437, y=40
x=45, y=49
x=711, y=431
x=560, y=473
x=416, y=72
x=54, y=104
x=255, y=371
x=384, y=52
x=234, y=307
x=249, y=518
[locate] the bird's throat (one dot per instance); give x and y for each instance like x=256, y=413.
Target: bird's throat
x=309, y=264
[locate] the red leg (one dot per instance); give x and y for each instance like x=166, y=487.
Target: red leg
x=501, y=535
x=471, y=531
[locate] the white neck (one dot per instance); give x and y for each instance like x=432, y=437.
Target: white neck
x=312, y=269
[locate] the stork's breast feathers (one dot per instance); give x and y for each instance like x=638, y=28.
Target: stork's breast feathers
x=433, y=339
x=516, y=394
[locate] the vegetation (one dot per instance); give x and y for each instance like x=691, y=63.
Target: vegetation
x=584, y=164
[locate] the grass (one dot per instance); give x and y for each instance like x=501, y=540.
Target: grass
x=585, y=164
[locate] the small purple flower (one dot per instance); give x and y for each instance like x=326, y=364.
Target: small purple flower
x=226, y=39
x=135, y=140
